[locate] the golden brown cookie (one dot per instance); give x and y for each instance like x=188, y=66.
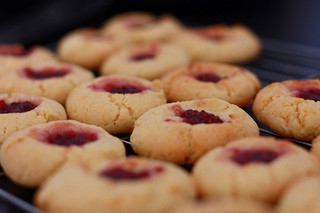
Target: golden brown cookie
x=238, y=205
x=140, y=27
x=88, y=47
x=128, y=185
x=14, y=56
x=31, y=155
x=219, y=43
x=114, y=102
x=301, y=196
x=211, y=80
x=149, y=61
x=50, y=80
x=19, y=111
x=290, y=108
x=253, y=167
x=181, y=132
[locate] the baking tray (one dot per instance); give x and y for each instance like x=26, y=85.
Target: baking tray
x=279, y=61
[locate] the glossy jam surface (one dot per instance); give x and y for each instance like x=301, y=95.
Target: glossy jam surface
x=308, y=93
x=121, y=173
x=119, y=86
x=207, y=77
x=69, y=137
x=16, y=107
x=45, y=73
x=13, y=50
x=243, y=157
x=193, y=117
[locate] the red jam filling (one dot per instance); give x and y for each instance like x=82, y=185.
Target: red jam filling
x=143, y=56
x=308, y=94
x=208, y=77
x=68, y=137
x=243, y=157
x=119, y=86
x=192, y=117
x=120, y=173
x=13, y=50
x=16, y=107
x=45, y=73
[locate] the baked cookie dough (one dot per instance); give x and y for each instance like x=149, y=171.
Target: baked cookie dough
x=14, y=56
x=238, y=205
x=31, y=155
x=301, y=196
x=290, y=108
x=128, y=185
x=182, y=132
x=253, y=167
x=211, y=80
x=140, y=27
x=149, y=61
x=88, y=47
x=114, y=102
x=19, y=111
x=219, y=43
x=50, y=80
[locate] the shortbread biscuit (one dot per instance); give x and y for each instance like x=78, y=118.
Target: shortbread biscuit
x=50, y=80
x=253, y=167
x=301, y=196
x=128, y=185
x=88, y=47
x=19, y=111
x=31, y=155
x=114, y=102
x=219, y=43
x=181, y=132
x=149, y=61
x=211, y=80
x=140, y=27
x=15, y=56
x=290, y=108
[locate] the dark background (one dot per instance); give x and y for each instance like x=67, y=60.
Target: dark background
x=42, y=22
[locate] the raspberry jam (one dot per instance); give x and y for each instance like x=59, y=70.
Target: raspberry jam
x=119, y=86
x=13, y=50
x=243, y=157
x=208, y=77
x=308, y=93
x=192, y=117
x=120, y=173
x=68, y=137
x=16, y=107
x=143, y=56
x=45, y=73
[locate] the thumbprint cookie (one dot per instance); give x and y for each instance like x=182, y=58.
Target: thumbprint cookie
x=211, y=80
x=149, y=61
x=14, y=56
x=181, y=132
x=114, y=102
x=50, y=80
x=31, y=155
x=140, y=27
x=88, y=47
x=290, y=108
x=219, y=43
x=127, y=185
x=19, y=111
x=253, y=167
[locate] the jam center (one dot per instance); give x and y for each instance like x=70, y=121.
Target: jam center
x=208, y=77
x=13, y=50
x=120, y=173
x=48, y=72
x=16, y=107
x=308, y=94
x=70, y=137
x=119, y=86
x=143, y=56
x=243, y=157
